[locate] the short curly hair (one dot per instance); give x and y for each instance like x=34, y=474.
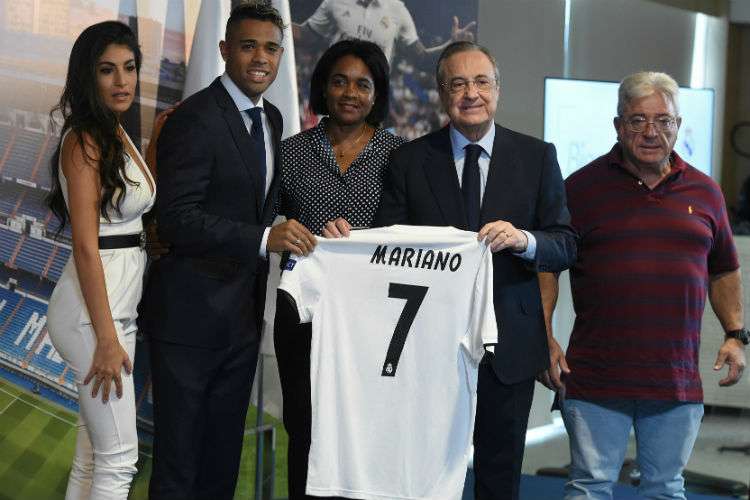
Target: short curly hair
x=373, y=57
x=645, y=83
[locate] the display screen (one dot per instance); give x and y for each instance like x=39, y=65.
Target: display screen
x=578, y=121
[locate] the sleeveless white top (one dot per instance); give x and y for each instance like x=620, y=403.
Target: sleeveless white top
x=123, y=267
x=138, y=198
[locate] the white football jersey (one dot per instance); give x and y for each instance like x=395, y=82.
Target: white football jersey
x=381, y=22
x=400, y=316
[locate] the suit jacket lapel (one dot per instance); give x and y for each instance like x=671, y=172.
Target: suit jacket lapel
x=503, y=172
x=241, y=138
x=440, y=170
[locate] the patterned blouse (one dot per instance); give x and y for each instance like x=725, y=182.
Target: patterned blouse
x=314, y=191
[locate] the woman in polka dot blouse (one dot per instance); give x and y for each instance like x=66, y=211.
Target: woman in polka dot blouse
x=331, y=180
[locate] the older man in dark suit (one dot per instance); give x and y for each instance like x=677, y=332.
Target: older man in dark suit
x=476, y=175
x=203, y=304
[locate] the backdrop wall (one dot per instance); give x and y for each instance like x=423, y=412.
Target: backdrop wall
x=592, y=39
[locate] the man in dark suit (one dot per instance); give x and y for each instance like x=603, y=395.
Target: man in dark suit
x=203, y=304
x=476, y=175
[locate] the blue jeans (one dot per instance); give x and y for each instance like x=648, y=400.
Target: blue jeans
x=665, y=433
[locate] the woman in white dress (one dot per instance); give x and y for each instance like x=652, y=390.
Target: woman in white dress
x=102, y=187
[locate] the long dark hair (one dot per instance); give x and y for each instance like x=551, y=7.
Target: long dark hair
x=84, y=112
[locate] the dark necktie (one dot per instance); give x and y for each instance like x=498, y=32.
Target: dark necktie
x=470, y=187
x=258, y=143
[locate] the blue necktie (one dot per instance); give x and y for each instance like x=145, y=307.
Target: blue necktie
x=470, y=185
x=258, y=143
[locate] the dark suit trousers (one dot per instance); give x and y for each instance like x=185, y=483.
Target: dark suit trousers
x=292, y=343
x=201, y=398
x=500, y=434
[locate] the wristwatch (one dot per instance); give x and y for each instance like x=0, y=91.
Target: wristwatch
x=743, y=335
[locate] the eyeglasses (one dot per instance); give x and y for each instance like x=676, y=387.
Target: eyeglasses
x=638, y=124
x=459, y=85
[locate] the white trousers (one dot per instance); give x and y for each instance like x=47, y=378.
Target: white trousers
x=107, y=441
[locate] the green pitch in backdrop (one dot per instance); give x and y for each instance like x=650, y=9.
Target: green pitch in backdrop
x=37, y=439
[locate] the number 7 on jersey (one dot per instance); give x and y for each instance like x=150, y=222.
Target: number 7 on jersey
x=414, y=295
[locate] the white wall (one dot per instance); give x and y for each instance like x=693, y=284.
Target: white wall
x=608, y=40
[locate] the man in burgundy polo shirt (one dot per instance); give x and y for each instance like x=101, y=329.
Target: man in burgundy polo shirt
x=654, y=241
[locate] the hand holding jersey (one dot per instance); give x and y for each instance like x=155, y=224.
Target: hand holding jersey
x=337, y=228
x=290, y=236
x=501, y=234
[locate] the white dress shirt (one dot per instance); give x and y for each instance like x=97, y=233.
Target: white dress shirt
x=458, y=143
x=243, y=103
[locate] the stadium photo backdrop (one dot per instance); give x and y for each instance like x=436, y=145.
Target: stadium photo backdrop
x=410, y=32
x=35, y=42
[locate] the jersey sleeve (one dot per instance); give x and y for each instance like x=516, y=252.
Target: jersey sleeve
x=482, y=321
x=302, y=280
x=407, y=31
x=322, y=21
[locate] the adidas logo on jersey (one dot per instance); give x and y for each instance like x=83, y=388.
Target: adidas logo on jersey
x=417, y=259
